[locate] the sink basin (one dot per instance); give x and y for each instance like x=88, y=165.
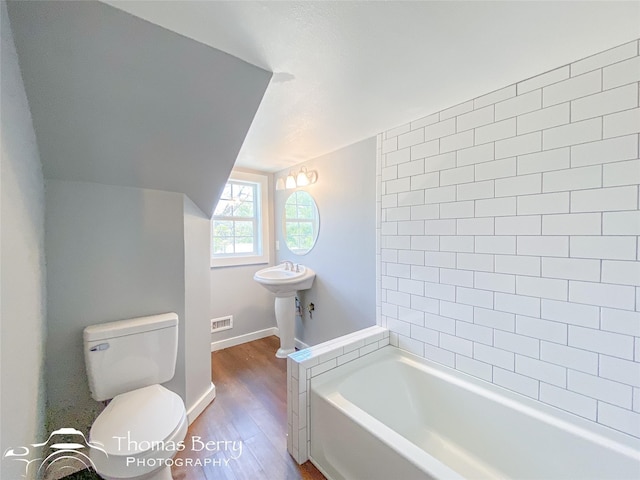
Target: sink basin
x=284, y=282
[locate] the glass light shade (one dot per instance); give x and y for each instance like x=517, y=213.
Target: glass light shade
x=280, y=184
x=302, y=179
x=291, y=182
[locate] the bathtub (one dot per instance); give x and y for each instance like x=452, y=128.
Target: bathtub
x=392, y=415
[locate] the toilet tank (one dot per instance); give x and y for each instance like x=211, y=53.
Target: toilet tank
x=128, y=354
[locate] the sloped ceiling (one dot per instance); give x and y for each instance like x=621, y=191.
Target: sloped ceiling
x=121, y=101
x=346, y=70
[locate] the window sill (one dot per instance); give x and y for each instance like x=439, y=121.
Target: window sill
x=238, y=261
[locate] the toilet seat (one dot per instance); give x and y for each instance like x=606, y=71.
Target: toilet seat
x=147, y=423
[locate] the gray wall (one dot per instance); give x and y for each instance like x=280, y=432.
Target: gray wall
x=117, y=100
x=344, y=255
x=112, y=253
x=235, y=292
x=22, y=289
x=197, y=245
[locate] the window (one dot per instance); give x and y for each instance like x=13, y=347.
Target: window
x=239, y=227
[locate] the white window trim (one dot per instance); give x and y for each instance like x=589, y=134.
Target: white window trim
x=238, y=260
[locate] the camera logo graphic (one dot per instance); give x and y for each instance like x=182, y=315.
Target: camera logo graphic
x=69, y=451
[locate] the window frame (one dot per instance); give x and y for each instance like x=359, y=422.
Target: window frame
x=261, y=219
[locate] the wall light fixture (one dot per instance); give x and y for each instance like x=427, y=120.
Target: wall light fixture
x=305, y=177
x=302, y=179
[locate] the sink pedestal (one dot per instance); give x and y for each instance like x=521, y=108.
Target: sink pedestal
x=286, y=320
x=285, y=281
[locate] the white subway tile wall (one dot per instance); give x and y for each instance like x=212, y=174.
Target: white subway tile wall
x=508, y=232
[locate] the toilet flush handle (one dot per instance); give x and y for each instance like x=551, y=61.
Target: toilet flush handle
x=99, y=348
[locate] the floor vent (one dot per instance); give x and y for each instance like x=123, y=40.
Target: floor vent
x=221, y=323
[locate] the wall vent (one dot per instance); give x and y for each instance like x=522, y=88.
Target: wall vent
x=221, y=323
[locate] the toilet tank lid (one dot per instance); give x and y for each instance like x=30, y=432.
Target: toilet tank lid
x=130, y=326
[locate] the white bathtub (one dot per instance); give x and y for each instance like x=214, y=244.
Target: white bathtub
x=392, y=415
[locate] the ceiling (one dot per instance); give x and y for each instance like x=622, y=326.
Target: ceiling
x=344, y=71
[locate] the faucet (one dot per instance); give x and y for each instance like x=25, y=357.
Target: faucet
x=288, y=265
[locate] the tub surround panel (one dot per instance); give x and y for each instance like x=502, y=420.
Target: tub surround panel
x=507, y=242
x=310, y=362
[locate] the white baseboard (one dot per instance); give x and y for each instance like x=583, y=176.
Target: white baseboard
x=198, y=407
x=247, y=337
x=250, y=337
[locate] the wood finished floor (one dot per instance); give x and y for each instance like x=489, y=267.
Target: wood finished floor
x=251, y=407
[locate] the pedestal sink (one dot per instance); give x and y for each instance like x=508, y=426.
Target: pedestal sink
x=285, y=280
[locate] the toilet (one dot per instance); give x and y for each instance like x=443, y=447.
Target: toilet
x=144, y=425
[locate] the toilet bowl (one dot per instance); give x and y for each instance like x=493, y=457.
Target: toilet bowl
x=144, y=425
x=140, y=432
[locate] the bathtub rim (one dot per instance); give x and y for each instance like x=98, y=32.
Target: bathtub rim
x=327, y=385
x=392, y=439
